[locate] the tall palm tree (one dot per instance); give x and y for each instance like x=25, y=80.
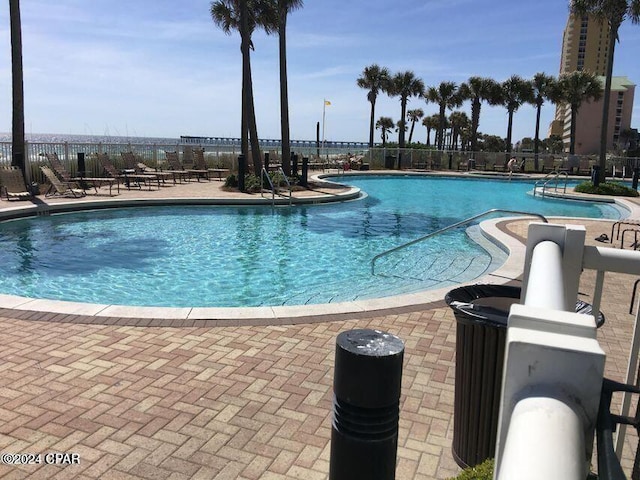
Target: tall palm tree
x=614, y=12
x=479, y=89
x=432, y=122
x=458, y=121
x=375, y=79
x=413, y=116
x=404, y=85
x=545, y=87
x=17, y=125
x=446, y=96
x=577, y=87
x=385, y=124
x=284, y=8
x=245, y=16
x=515, y=92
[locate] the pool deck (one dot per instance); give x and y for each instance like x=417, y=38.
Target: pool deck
x=243, y=398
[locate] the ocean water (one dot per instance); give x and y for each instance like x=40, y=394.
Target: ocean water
x=61, y=138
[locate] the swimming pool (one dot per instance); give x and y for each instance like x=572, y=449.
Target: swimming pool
x=252, y=256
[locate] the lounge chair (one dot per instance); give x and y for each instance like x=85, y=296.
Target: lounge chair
x=12, y=184
x=548, y=165
x=60, y=188
x=174, y=163
x=584, y=168
x=200, y=164
x=131, y=165
x=128, y=176
x=82, y=182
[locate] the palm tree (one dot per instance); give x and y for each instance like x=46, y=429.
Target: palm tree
x=404, y=85
x=375, y=79
x=385, y=124
x=479, y=89
x=515, y=92
x=432, y=123
x=577, y=87
x=284, y=8
x=545, y=87
x=413, y=116
x=446, y=96
x=245, y=16
x=17, y=125
x=458, y=121
x=614, y=12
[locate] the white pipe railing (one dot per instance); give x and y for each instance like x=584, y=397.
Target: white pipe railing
x=532, y=418
x=553, y=364
x=546, y=269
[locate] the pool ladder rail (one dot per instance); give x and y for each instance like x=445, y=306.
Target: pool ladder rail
x=550, y=177
x=264, y=174
x=447, y=228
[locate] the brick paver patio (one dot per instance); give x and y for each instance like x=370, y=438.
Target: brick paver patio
x=231, y=402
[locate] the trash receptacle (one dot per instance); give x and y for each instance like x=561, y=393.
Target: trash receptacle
x=389, y=161
x=481, y=313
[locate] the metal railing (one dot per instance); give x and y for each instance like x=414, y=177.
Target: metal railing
x=274, y=190
x=550, y=177
x=554, y=370
x=450, y=227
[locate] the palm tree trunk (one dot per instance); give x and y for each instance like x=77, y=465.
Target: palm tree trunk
x=244, y=47
x=428, y=137
x=441, y=128
x=17, y=125
x=253, y=128
x=413, y=124
x=284, y=95
x=372, y=123
x=572, y=133
x=509, y=132
x=613, y=35
x=403, y=110
x=536, y=140
x=475, y=121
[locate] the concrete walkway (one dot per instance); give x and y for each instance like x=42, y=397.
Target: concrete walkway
x=232, y=402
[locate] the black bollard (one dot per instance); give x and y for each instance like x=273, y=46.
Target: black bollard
x=595, y=175
x=634, y=180
x=81, y=165
x=242, y=168
x=366, y=385
x=305, y=171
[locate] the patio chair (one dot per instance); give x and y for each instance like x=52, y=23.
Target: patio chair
x=131, y=165
x=174, y=162
x=12, y=184
x=200, y=164
x=548, y=165
x=584, y=168
x=58, y=187
x=82, y=182
x=128, y=176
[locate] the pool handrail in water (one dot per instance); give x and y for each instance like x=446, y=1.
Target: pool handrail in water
x=450, y=227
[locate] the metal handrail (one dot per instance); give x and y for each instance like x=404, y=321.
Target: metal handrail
x=450, y=227
x=555, y=175
x=264, y=175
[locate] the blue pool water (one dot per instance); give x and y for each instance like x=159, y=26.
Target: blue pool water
x=252, y=256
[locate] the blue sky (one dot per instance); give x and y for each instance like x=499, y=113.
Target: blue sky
x=162, y=68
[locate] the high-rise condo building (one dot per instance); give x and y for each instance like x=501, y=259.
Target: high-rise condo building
x=584, y=47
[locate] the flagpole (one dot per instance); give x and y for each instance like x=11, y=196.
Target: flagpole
x=324, y=108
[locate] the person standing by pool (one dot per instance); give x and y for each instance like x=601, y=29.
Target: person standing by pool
x=512, y=166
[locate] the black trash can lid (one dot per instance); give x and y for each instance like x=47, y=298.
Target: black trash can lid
x=490, y=304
